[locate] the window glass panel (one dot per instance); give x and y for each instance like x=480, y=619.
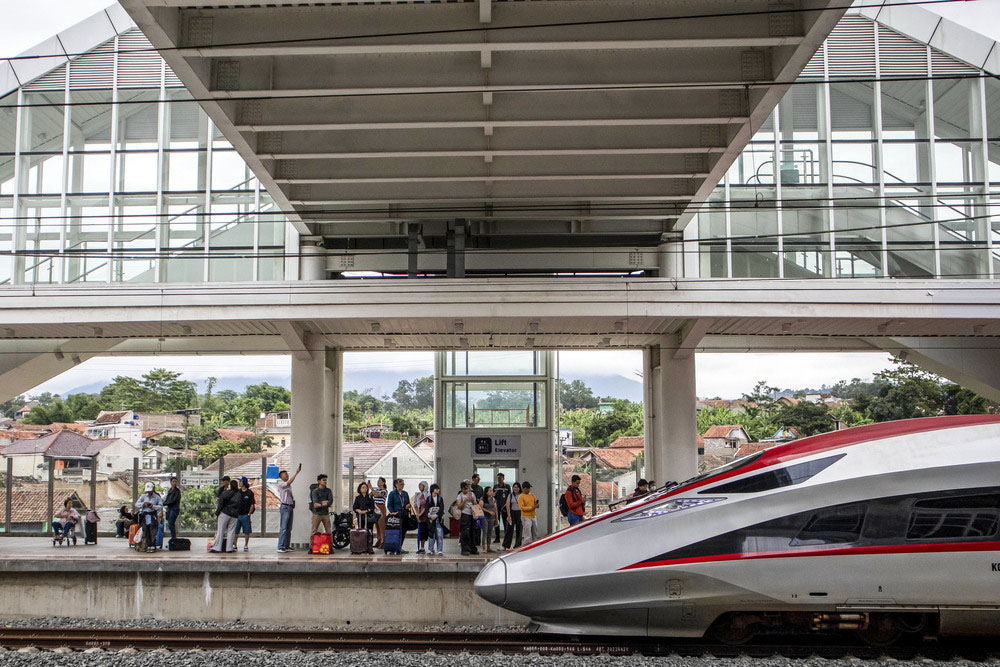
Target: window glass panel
x=137, y=172
x=41, y=244
x=954, y=161
x=906, y=162
x=512, y=362
x=754, y=166
x=950, y=518
x=852, y=111
x=134, y=240
x=90, y=172
x=223, y=268
x=138, y=120
x=858, y=240
x=494, y=404
x=90, y=122
x=6, y=238
x=43, y=174
x=956, y=104
x=187, y=123
x=835, y=525
x=712, y=225
x=802, y=163
x=186, y=170
x=909, y=233
x=993, y=128
x=800, y=111
x=181, y=269
x=776, y=479
x=8, y=126
x=755, y=257
x=229, y=171
x=271, y=227
x=270, y=268
x=43, y=119
x=185, y=223
x=805, y=226
x=231, y=226
x=854, y=163
x=903, y=105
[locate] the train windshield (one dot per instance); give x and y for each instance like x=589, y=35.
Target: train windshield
x=733, y=465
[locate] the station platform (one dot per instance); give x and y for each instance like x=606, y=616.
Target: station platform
x=111, y=581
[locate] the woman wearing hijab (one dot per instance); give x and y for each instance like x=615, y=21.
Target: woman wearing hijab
x=420, y=512
x=379, y=495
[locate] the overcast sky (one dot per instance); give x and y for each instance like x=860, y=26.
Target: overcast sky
x=27, y=22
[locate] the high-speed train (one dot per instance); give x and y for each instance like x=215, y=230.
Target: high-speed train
x=883, y=529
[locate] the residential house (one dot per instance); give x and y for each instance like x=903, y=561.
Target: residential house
x=425, y=448
x=784, y=434
x=231, y=463
x=607, y=492
x=724, y=439
x=612, y=459
x=152, y=436
x=278, y=425
x=23, y=411
x=155, y=458
x=737, y=405
x=374, y=430
x=123, y=424
x=73, y=455
x=30, y=511
x=754, y=447
x=171, y=421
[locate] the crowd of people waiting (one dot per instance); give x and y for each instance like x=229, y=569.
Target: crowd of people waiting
x=502, y=514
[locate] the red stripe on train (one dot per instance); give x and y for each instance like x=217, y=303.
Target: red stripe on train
x=941, y=547
x=798, y=449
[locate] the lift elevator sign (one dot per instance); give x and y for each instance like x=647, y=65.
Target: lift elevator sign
x=497, y=446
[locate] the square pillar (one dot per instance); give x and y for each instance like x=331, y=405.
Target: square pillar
x=309, y=429
x=334, y=423
x=671, y=425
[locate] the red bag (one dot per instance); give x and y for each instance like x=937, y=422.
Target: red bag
x=321, y=544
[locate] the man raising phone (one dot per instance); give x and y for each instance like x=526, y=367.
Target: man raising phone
x=287, y=507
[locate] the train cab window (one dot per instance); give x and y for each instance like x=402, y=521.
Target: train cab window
x=955, y=517
x=776, y=479
x=832, y=525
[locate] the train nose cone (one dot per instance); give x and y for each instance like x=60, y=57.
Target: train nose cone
x=491, y=584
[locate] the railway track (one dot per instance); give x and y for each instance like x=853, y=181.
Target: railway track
x=457, y=642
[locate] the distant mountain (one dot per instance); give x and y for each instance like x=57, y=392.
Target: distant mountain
x=384, y=382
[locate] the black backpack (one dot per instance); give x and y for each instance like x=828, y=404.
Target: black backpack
x=563, y=506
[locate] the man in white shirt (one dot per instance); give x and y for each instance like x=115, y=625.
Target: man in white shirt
x=287, y=507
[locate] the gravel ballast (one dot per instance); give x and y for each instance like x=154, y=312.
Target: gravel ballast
x=172, y=624
x=130, y=658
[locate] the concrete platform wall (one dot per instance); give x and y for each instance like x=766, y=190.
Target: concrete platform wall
x=314, y=599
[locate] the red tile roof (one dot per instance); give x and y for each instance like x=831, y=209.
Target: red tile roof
x=615, y=458
x=720, y=431
x=233, y=434
x=28, y=503
x=60, y=443
x=68, y=426
x=383, y=441
x=604, y=489
x=629, y=442
x=12, y=436
x=235, y=461
x=105, y=418
x=754, y=447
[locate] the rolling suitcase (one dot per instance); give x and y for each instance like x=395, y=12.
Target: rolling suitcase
x=179, y=544
x=132, y=530
x=361, y=539
x=321, y=544
x=392, y=543
x=90, y=532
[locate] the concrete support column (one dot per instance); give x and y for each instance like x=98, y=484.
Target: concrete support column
x=670, y=256
x=308, y=431
x=312, y=262
x=334, y=389
x=671, y=445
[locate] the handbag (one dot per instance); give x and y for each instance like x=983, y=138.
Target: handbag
x=456, y=513
x=411, y=522
x=477, y=512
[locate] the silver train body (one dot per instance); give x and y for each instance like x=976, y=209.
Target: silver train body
x=881, y=529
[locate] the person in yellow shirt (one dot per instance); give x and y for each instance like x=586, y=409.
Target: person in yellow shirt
x=528, y=504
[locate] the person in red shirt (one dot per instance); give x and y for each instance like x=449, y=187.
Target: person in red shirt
x=574, y=500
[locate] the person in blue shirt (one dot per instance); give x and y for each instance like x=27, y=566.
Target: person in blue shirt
x=398, y=504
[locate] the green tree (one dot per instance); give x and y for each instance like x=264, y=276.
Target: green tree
x=847, y=414
x=213, y=451
x=198, y=509
x=257, y=443
x=352, y=412
x=268, y=397
x=123, y=393
x=761, y=397
x=575, y=395
x=177, y=464
x=56, y=411
x=905, y=392
x=171, y=441
x=83, y=406
x=404, y=395
x=808, y=418
x=8, y=408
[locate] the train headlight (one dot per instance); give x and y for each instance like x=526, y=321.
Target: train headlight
x=668, y=507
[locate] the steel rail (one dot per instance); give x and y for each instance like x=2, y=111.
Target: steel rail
x=471, y=642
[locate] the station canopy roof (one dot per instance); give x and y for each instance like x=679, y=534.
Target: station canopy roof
x=545, y=124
